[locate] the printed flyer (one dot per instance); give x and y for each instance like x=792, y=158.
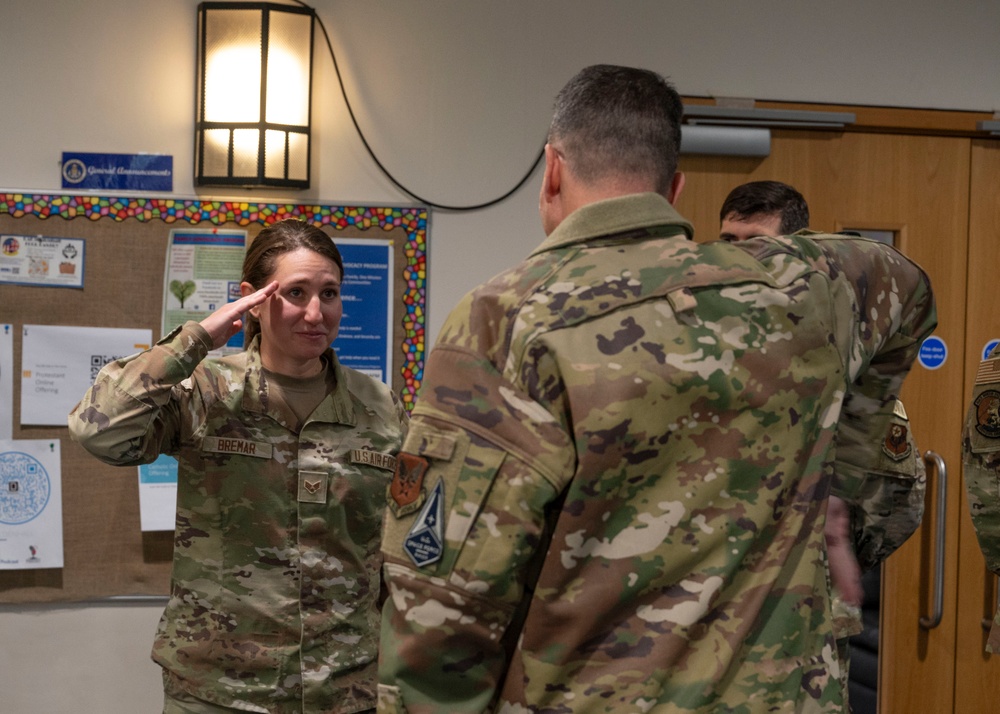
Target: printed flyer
x=31, y=528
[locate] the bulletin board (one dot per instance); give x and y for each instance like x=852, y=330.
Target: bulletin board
x=105, y=551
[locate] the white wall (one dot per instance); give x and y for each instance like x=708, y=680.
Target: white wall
x=454, y=96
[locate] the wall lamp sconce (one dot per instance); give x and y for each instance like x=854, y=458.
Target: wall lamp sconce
x=254, y=99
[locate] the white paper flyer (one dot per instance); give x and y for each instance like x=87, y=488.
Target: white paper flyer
x=31, y=526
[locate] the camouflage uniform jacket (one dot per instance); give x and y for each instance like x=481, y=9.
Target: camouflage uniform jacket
x=888, y=503
x=981, y=466
x=613, y=491
x=275, y=592
x=886, y=506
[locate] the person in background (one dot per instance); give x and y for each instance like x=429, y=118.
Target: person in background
x=981, y=466
x=873, y=512
x=762, y=208
x=284, y=456
x=613, y=490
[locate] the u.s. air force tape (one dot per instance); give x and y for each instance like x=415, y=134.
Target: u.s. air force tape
x=370, y=457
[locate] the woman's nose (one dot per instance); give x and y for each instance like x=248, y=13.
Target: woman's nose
x=314, y=309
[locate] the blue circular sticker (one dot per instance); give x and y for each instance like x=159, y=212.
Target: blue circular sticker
x=24, y=488
x=933, y=353
x=989, y=348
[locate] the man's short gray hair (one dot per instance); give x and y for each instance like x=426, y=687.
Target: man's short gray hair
x=619, y=122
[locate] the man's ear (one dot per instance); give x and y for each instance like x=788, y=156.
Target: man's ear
x=552, y=179
x=676, y=186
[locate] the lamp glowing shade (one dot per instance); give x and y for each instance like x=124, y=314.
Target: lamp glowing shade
x=254, y=86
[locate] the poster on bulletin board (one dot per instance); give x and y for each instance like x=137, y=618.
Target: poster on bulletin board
x=202, y=273
x=31, y=527
x=364, y=341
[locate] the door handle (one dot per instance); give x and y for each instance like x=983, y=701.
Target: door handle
x=929, y=623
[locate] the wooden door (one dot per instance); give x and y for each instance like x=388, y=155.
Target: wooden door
x=916, y=187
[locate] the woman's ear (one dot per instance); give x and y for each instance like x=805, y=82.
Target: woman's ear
x=248, y=289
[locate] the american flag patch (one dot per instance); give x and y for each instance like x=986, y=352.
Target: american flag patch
x=989, y=371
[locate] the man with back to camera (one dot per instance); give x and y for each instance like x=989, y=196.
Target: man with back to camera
x=613, y=491
x=868, y=519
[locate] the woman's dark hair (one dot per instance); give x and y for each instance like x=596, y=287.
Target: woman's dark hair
x=279, y=238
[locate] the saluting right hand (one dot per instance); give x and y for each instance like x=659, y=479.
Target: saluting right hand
x=228, y=319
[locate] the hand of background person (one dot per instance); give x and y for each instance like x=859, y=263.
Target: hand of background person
x=845, y=573
x=228, y=319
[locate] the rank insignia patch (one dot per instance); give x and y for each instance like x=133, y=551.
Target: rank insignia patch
x=895, y=445
x=988, y=413
x=313, y=486
x=406, y=490
x=425, y=541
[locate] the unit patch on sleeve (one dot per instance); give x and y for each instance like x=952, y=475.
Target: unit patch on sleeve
x=896, y=446
x=406, y=490
x=987, y=405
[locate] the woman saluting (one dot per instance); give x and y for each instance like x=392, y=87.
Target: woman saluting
x=284, y=457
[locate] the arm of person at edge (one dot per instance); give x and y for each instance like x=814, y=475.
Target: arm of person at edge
x=869, y=501
x=503, y=459
x=883, y=514
x=981, y=467
x=127, y=416
x=845, y=572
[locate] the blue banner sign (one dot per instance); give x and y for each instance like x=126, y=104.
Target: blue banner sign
x=118, y=172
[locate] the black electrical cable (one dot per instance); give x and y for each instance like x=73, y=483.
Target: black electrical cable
x=400, y=186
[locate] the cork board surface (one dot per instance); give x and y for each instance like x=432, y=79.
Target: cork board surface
x=105, y=552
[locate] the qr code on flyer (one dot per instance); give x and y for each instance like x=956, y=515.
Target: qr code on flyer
x=98, y=361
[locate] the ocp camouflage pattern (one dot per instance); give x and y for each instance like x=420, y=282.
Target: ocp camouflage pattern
x=981, y=466
x=640, y=434
x=886, y=507
x=888, y=504
x=274, y=602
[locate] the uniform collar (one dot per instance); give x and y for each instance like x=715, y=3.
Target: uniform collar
x=615, y=215
x=336, y=408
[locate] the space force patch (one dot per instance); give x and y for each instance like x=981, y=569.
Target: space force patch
x=425, y=541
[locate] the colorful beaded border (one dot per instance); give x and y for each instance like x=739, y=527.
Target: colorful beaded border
x=412, y=220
